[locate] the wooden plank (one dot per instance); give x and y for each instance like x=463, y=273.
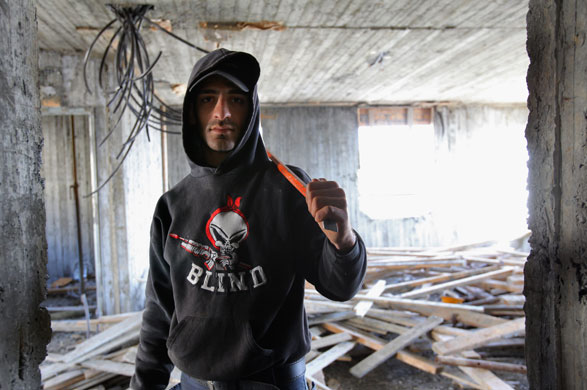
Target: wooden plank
x=418, y=361
x=478, y=363
x=412, y=304
x=420, y=264
x=464, y=382
x=460, y=248
x=54, y=309
x=377, y=326
x=469, y=315
x=115, y=318
x=487, y=379
x=480, y=337
x=478, y=320
x=410, y=322
x=377, y=343
x=103, y=338
x=313, y=305
x=418, y=282
x=378, y=357
x=61, y=290
x=72, y=326
x=127, y=355
x=328, y=357
x=61, y=282
x=330, y=340
x=95, y=324
x=119, y=368
x=366, y=339
x=499, y=285
x=63, y=380
x=333, y=308
x=363, y=307
x=512, y=299
x=331, y=317
x=131, y=336
x=505, y=261
x=386, y=260
x=50, y=370
x=57, y=368
x=460, y=282
x=93, y=381
x=311, y=355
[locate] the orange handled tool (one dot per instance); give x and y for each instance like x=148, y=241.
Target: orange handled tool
x=299, y=185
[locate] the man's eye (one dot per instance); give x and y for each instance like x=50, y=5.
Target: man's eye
x=238, y=100
x=205, y=99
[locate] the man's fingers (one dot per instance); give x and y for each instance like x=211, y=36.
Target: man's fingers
x=330, y=213
x=323, y=202
x=316, y=184
x=321, y=187
x=334, y=192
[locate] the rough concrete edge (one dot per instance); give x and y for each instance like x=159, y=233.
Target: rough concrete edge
x=543, y=135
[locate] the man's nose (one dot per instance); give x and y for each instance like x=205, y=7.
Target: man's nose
x=221, y=110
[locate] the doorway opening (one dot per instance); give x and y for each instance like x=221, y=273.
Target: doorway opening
x=72, y=215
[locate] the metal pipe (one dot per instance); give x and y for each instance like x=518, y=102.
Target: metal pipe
x=82, y=286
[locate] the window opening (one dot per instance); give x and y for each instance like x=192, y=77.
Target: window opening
x=396, y=149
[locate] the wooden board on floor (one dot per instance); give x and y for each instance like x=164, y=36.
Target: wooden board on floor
x=102, y=338
x=479, y=337
x=328, y=357
x=378, y=357
x=363, y=307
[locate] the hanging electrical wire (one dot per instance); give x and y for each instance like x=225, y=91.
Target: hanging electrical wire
x=135, y=89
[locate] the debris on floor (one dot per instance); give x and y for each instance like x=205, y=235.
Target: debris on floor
x=451, y=312
x=433, y=309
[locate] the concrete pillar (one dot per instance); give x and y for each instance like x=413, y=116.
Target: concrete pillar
x=25, y=328
x=556, y=273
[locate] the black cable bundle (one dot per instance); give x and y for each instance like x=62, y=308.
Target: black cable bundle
x=133, y=73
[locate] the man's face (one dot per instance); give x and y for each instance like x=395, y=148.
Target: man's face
x=223, y=110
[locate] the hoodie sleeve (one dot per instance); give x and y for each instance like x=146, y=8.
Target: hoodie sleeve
x=152, y=366
x=336, y=275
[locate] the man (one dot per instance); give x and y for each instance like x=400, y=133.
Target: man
x=232, y=245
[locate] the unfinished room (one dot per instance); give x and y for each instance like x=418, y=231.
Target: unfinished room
x=293, y=194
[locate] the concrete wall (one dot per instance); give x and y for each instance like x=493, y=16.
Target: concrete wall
x=58, y=172
x=556, y=272
x=124, y=205
x=480, y=173
x=24, y=326
x=324, y=141
x=320, y=140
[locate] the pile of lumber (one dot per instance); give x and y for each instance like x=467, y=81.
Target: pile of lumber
x=430, y=309
x=433, y=309
x=105, y=359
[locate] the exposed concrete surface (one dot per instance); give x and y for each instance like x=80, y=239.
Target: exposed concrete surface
x=127, y=202
x=324, y=141
x=321, y=140
x=25, y=328
x=556, y=273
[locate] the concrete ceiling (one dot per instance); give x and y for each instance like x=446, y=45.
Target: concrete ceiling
x=331, y=51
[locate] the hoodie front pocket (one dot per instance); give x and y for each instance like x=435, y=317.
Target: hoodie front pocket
x=216, y=349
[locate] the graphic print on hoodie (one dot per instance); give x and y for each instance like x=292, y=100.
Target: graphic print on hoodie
x=226, y=229
x=231, y=249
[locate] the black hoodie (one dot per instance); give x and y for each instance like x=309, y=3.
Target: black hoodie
x=231, y=248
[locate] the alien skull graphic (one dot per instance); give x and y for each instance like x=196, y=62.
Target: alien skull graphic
x=226, y=229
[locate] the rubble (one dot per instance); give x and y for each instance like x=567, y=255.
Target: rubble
x=437, y=309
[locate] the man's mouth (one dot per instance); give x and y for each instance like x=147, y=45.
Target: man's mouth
x=221, y=129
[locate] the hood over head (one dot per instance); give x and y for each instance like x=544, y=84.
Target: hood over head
x=242, y=69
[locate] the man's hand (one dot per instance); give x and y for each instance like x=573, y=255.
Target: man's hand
x=327, y=201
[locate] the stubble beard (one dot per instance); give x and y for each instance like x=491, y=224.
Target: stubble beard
x=222, y=143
